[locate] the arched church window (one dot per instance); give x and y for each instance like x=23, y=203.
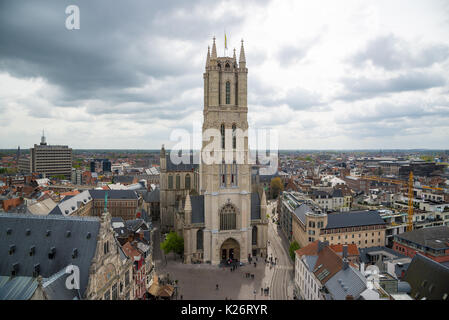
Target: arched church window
x=222, y=130
x=228, y=217
x=254, y=235
x=228, y=92
x=187, y=182
x=234, y=136
x=199, y=240
x=170, y=182
x=178, y=182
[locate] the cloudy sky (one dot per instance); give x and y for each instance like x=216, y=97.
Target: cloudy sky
x=325, y=74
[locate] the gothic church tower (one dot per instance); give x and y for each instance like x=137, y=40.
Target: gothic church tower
x=226, y=184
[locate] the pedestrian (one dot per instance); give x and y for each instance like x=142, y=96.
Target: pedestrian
x=181, y=296
x=254, y=264
x=216, y=286
x=261, y=291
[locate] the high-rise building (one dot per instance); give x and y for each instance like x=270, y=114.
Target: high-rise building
x=48, y=160
x=106, y=165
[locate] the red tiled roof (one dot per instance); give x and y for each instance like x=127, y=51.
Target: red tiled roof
x=352, y=249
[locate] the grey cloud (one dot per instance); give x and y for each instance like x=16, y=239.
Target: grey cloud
x=119, y=44
x=362, y=88
x=392, y=53
x=297, y=98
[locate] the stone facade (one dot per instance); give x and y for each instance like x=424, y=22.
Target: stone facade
x=110, y=276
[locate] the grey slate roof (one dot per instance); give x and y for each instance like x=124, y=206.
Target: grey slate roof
x=55, y=288
x=337, y=193
x=197, y=208
x=123, y=179
x=310, y=261
x=191, y=166
x=114, y=194
x=152, y=196
x=364, y=252
x=17, y=288
x=346, y=282
x=301, y=211
x=427, y=278
x=354, y=219
x=58, y=226
x=434, y=237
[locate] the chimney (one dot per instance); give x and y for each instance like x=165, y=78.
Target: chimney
x=345, y=252
x=321, y=245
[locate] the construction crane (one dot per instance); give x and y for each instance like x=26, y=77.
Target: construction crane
x=406, y=184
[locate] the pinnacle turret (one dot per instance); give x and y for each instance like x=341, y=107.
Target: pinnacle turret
x=214, y=51
x=208, y=57
x=242, y=54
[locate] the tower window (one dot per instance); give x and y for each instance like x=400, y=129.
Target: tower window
x=187, y=182
x=199, y=240
x=178, y=182
x=228, y=92
x=234, y=174
x=234, y=138
x=170, y=182
x=223, y=174
x=254, y=235
x=222, y=129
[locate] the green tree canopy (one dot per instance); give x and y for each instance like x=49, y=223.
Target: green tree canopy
x=276, y=186
x=293, y=247
x=173, y=243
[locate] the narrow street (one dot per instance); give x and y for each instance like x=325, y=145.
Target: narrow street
x=282, y=280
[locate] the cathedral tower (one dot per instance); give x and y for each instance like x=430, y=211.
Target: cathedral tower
x=226, y=183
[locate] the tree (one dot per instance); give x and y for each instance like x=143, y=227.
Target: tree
x=173, y=243
x=293, y=247
x=276, y=186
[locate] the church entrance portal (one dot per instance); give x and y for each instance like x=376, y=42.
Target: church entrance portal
x=230, y=249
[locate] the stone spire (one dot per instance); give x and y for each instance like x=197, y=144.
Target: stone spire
x=234, y=57
x=188, y=210
x=188, y=203
x=263, y=202
x=242, y=55
x=208, y=57
x=214, y=51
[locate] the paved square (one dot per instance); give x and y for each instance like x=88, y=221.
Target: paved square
x=198, y=281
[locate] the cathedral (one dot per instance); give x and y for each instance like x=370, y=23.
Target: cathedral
x=212, y=205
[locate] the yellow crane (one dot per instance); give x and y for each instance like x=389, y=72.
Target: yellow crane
x=407, y=184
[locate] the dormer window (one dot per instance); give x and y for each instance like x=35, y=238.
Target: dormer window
x=52, y=253
x=15, y=269
x=32, y=250
x=37, y=269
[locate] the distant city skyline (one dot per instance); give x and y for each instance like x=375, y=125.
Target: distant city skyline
x=369, y=75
